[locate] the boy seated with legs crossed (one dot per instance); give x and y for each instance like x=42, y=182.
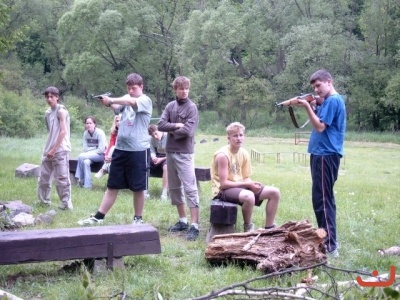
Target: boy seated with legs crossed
x=230, y=176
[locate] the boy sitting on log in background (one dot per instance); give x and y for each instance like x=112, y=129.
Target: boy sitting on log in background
x=230, y=176
x=158, y=159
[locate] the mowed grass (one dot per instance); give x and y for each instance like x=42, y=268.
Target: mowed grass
x=367, y=194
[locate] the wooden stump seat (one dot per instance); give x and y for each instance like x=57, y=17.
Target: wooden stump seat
x=223, y=217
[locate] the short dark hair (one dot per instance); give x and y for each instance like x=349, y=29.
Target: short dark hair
x=51, y=90
x=134, y=79
x=322, y=75
x=93, y=119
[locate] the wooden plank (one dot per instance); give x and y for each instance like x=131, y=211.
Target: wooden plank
x=77, y=243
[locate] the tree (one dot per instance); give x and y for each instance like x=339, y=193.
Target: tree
x=38, y=51
x=376, y=76
x=9, y=33
x=104, y=40
x=223, y=50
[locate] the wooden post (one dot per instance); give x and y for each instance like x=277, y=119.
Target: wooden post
x=110, y=256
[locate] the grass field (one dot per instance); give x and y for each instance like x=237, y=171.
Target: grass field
x=367, y=194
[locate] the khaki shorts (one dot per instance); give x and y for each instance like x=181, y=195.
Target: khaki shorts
x=232, y=195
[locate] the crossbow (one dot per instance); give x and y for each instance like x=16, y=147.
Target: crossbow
x=295, y=100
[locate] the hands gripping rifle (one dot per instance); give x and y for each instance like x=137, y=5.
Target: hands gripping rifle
x=295, y=100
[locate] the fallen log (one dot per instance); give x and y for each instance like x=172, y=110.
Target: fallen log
x=294, y=244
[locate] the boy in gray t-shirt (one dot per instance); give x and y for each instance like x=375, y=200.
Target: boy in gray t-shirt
x=130, y=159
x=56, y=152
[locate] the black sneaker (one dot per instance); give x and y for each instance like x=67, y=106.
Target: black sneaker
x=192, y=234
x=180, y=226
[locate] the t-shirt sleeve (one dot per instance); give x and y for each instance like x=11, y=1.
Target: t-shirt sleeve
x=144, y=105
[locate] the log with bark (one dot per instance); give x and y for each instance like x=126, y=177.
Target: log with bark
x=294, y=244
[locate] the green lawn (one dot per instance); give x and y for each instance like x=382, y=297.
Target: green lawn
x=368, y=218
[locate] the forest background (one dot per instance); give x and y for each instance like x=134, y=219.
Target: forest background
x=242, y=56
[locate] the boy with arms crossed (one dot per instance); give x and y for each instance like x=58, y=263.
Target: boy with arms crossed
x=180, y=119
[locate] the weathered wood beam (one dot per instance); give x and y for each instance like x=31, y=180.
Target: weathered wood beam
x=78, y=243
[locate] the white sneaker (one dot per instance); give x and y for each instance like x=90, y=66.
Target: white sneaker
x=90, y=221
x=146, y=194
x=99, y=174
x=249, y=227
x=164, y=197
x=137, y=221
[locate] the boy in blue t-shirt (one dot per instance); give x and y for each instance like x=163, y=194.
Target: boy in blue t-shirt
x=326, y=149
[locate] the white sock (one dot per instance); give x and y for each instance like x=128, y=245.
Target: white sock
x=183, y=220
x=195, y=225
x=164, y=191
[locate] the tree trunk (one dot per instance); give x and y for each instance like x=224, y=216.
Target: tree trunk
x=294, y=244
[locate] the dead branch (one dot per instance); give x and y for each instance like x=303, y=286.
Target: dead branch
x=395, y=250
x=334, y=290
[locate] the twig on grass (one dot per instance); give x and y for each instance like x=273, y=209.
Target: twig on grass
x=333, y=290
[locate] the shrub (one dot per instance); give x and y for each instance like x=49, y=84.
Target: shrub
x=19, y=115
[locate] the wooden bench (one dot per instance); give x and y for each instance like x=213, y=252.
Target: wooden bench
x=223, y=217
x=94, y=167
x=202, y=173
x=78, y=243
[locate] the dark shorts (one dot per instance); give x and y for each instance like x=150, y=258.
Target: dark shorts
x=232, y=195
x=129, y=170
x=157, y=170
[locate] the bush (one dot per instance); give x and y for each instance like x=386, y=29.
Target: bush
x=19, y=115
x=210, y=123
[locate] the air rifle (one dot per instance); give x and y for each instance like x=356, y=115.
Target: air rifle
x=99, y=97
x=295, y=100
